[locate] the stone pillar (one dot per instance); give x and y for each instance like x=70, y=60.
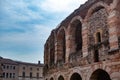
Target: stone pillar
x=118, y=16
x=49, y=56
x=114, y=24
x=55, y=51
x=70, y=45
x=58, y=51
x=46, y=53
x=67, y=47
x=85, y=38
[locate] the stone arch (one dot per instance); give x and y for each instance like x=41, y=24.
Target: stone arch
x=61, y=45
x=51, y=78
x=95, y=8
x=75, y=76
x=52, y=49
x=60, y=78
x=75, y=70
x=76, y=18
x=46, y=54
x=97, y=19
x=115, y=76
x=75, y=34
x=98, y=39
x=100, y=74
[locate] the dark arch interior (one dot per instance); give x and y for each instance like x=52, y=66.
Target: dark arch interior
x=98, y=36
x=52, y=49
x=96, y=56
x=100, y=75
x=75, y=76
x=60, y=78
x=51, y=79
x=97, y=9
x=62, y=43
x=78, y=34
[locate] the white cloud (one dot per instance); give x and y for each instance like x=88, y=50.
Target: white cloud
x=25, y=57
x=38, y=33
x=61, y=5
x=19, y=11
x=34, y=35
x=32, y=40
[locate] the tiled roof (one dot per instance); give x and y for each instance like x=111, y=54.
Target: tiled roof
x=10, y=61
x=7, y=61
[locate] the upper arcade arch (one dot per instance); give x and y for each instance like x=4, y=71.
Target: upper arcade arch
x=52, y=48
x=76, y=18
x=61, y=45
x=74, y=33
x=97, y=7
x=46, y=55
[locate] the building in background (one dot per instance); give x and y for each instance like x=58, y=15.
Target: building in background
x=9, y=69
x=30, y=71
x=16, y=70
x=86, y=45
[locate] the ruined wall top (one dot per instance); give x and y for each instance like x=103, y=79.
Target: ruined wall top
x=81, y=11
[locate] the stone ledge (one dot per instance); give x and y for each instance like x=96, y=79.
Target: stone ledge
x=113, y=51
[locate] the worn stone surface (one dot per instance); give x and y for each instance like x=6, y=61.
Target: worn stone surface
x=86, y=45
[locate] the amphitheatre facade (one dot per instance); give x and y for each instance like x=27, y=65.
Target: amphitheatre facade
x=85, y=45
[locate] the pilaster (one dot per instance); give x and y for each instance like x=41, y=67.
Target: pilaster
x=85, y=38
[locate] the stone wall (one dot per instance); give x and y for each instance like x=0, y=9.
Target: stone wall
x=112, y=68
x=98, y=23
x=86, y=44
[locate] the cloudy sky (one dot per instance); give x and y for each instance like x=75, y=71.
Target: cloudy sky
x=26, y=24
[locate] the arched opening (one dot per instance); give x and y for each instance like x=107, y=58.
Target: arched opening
x=100, y=75
x=75, y=32
x=96, y=56
x=98, y=36
x=60, y=78
x=76, y=35
x=97, y=9
x=51, y=78
x=46, y=51
x=52, y=49
x=75, y=76
x=47, y=55
x=61, y=46
x=98, y=39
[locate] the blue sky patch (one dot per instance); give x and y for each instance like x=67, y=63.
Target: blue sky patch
x=26, y=24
